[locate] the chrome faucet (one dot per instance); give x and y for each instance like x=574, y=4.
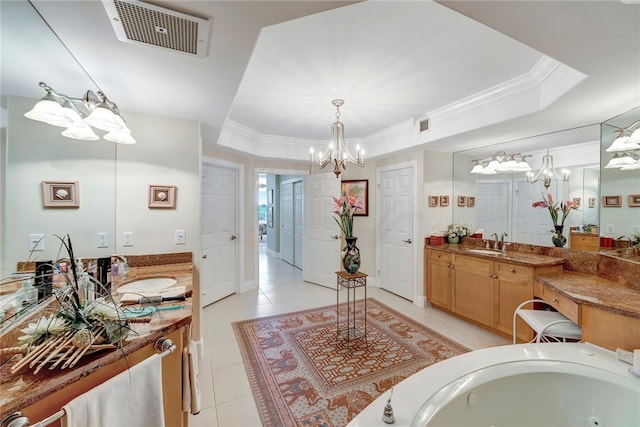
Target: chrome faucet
x=504, y=244
x=495, y=241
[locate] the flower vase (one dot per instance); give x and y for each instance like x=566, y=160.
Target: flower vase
x=558, y=239
x=351, y=256
x=453, y=240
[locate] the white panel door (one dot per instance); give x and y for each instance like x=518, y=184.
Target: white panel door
x=492, y=203
x=218, y=275
x=286, y=222
x=322, y=234
x=298, y=224
x=396, y=230
x=532, y=225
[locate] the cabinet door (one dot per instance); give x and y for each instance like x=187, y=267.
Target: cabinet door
x=439, y=284
x=473, y=289
x=513, y=286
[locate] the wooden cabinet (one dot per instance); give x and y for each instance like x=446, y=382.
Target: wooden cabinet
x=439, y=286
x=473, y=289
x=584, y=242
x=483, y=291
x=171, y=384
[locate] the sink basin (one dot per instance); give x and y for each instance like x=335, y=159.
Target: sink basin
x=152, y=284
x=484, y=252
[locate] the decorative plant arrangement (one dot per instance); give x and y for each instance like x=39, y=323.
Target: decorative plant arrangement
x=344, y=208
x=75, y=325
x=456, y=231
x=558, y=211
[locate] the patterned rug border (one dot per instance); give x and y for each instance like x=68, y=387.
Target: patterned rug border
x=267, y=406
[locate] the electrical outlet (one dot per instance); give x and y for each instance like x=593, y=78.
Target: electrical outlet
x=181, y=237
x=127, y=238
x=102, y=240
x=611, y=228
x=36, y=242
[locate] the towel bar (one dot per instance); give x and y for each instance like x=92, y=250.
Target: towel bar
x=164, y=346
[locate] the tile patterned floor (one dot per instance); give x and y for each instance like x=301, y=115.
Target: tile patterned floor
x=226, y=396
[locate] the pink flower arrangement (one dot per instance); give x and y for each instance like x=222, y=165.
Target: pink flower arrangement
x=554, y=210
x=344, y=207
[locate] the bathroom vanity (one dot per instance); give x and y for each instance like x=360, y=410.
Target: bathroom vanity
x=41, y=395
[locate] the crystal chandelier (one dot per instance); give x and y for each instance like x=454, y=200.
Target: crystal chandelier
x=337, y=152
x=547, y=172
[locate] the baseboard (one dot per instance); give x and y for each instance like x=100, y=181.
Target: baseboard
x=248, y=286
x=420, y=301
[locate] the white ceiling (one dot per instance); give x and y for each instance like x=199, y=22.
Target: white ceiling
x=275, y=66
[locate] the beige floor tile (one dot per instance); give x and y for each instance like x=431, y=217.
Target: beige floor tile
x=238, y=413
x=230, y=383
x=206, y=418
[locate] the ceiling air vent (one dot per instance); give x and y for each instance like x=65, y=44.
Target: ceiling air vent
x=424, y=125
x=143, y=23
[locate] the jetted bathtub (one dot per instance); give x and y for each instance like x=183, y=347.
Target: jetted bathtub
x=550, y=384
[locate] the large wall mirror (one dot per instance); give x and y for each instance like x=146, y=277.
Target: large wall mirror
x=501, y=202
x=35, y=152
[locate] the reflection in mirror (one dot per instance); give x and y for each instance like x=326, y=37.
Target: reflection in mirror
x=36, y=152
x=503, y=201
x=620, y=222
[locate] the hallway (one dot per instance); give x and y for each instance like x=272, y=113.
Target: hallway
x=226, y=395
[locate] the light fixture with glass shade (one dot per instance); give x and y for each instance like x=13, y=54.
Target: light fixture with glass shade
x=79, y=115
x=501, y=162
x=547, y=172
x=337, y=152
x=625, y=148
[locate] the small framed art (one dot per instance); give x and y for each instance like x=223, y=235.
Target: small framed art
x=471, y=201
x=444, y=200
x=577, y=201
x=634, y=200
x=357, y=188
x=462, y=201
x=611, y=201
x=433, y=201
x=592, y=202
x=60, y=194
x=162, y=196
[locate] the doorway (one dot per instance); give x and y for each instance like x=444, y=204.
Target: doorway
x=292, y=222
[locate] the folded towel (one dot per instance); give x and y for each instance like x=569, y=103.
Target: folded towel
x=191, y=399
x=132, y=398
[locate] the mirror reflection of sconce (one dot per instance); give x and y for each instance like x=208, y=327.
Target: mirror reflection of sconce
x=79, y=115
x=626, y=148
x=501, y=162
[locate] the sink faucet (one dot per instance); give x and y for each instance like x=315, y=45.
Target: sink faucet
x=504, y=244
x=495, y=241
x=122, y=266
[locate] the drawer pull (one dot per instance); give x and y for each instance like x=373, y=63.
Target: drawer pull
x=512, y=270
x=554, y=300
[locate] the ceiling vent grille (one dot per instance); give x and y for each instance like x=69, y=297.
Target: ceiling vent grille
x=424, y=125
x=142, y=23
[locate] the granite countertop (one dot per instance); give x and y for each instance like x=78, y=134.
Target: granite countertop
x=512, y=257
x=595, y=291
x=24, y=388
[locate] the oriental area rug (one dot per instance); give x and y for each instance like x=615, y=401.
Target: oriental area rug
x=302, y=374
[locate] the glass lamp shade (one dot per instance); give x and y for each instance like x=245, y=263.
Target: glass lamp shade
x=493, y=165
x=120, y=137
x=477, y=168
x=523, y=166
x=51, y=112
x=81, y=131
x=632, y=167
x=619, y=161
x=104, y=119
x=634, y=139
x=619, y=144
x=488, y=171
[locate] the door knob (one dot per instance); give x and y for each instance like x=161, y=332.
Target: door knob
x=407, y=241
x=233, y=237
x=335, y=237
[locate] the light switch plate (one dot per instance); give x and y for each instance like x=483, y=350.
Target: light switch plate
x=102, y=240
x=611, y=228
x=181, y=237
x=36, y=242
x=127, y=238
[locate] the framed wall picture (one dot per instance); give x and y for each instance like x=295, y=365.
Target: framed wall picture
x=357, y=188
x=270, y=216
x=60, y=194
x=162, y=196
x=462, y=201
x=444, y=200
x=577, y=201
x=433, y=201
x=634, y=200
x=611, y=201
x=592, y=202
x=471, y=201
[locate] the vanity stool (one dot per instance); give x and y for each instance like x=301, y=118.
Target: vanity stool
x=548, y=325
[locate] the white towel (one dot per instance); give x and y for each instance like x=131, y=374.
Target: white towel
x=132, y=398
x=191, y=400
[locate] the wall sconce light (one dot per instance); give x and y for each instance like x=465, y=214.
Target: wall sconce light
x=547, y=172
x=501, y=162
x=79, y=115
x=337, y=152
x=625, y=148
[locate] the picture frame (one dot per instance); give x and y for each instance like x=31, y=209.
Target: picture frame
x=444, y=200
x=270, y=216
x=270, y=197
x=60, y=194
x=471, y=201
x=611, y=201
x=433, y=201
x=577, y=202
x=162, y=196
x=634, y=200
x=462, y=201
x=357, y=188
x=592, y=202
